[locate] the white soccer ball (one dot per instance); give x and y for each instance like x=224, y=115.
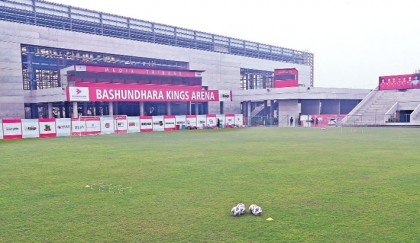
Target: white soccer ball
x=236, y=211
x=255, y=209
x=242, y=208
x=251, y=208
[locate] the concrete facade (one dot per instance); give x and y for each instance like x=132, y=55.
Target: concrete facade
x=35, y=34
x=222, y=71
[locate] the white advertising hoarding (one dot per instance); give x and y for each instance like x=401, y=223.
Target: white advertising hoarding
x=63, y=127
x=12, y=128
x=78, y=127
x=169, y=123
x=239, y=120
x=93, y=125
x=133, y=124
x=146, y=124
x=47, y=127
x=30, y=128
x=158, y=125
x=120, y=123
x=229, y=120
x=211, y=120
x=107, y=125
x=201, y=121
x=191, y=120
x=221, y=118
x=180, y=120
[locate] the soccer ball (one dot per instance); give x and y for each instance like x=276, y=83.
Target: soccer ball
x=242, y=208
x=255, y=209
x=251, y=207
x=236, y=211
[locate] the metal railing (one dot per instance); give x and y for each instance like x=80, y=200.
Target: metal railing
x=43, y=13
x=380, y=119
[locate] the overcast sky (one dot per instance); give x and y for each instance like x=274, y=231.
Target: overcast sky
x=353, y=41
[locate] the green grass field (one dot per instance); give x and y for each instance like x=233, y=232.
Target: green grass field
x=333, y=185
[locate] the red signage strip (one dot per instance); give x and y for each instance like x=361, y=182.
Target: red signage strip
x=285, y=83
x=113, y=92
x=138, y=71
x=138, y=86
x=406, y=81
x=286, y=77
x=286, y=71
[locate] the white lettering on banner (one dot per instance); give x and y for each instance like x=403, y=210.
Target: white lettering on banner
x=177, y=95
x=118, y=94
x=119, y=70
x=143, y=94
x=148, y=71
x=202, y=95
x=156, y=95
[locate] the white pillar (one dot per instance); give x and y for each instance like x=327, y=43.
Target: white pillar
x=75, y=111
x=196, y=108
x=248, y=112
x=85, y=106
x=168, y=108
x=141, y=104
x=189, y=107
x=111, y=108
x=278, y=115
x=50, y=111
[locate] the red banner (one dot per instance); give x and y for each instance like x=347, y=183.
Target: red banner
x=139, y=86
x=138, y=71
x=286, y=77
x=285, y=83
x=405, y=81
x=126, y=92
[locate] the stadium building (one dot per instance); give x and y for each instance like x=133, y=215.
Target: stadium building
x=60, y=61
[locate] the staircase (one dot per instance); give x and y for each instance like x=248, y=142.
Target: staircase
x=380, y=106
x=257, y=110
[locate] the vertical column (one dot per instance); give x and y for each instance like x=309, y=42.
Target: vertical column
x=50, y=111
x=85, y=106
x=116, y=110
x=196, y=108
x=141, y=106
x=168, y=108
x=67, y=110
x=339, y=107
x=111, y=108
x=75, y=111
x=248, y=113
x=271, y=102
x=34, y=111
x=279, y=121
x=319, y=107
x=267, y=117
x=94, y=109
x=62, y=110
x=189, y=108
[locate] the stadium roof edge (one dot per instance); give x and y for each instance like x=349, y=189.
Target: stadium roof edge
x=102, y=19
